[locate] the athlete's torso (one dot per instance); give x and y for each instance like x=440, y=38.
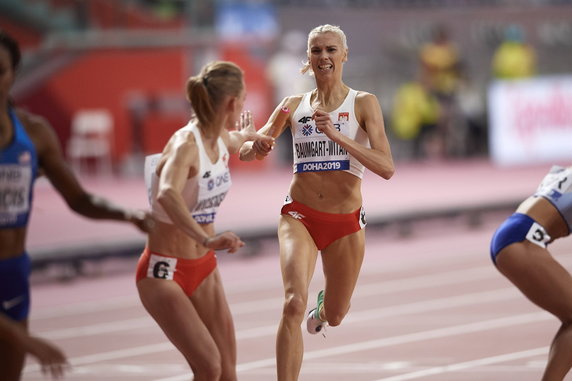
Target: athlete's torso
x=202, y=193
x=314, y=151
x=18, y=170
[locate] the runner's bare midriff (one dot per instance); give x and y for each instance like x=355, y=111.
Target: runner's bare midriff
x=327, y=191
x=12, y=242
x=168, y=239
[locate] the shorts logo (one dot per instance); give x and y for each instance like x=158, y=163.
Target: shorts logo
x=11, y=303
x=296, y=215
x=161, y=267
x=25, y=157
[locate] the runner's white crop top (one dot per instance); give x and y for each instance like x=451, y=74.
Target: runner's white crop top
x=556, y=187
x=314, y=151
x=203, y=193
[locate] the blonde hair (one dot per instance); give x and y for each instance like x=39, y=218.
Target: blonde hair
x=207, y=90
x=323, y=29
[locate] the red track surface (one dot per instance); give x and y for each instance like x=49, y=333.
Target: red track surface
x=427, y=307
x=430, y=306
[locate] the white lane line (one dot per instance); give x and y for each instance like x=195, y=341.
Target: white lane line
x=468, y=364
x=365, y=290
x=112, y=355
x=257, y=332
x=398, y=340
x=419, y=307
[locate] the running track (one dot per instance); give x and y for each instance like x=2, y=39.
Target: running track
x=427, y=307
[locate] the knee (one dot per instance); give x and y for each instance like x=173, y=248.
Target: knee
x=335, y=316
x=208, y=370
x=294, y=307
x=335, y=320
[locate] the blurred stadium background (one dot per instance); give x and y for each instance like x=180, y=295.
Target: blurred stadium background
x=109, y=76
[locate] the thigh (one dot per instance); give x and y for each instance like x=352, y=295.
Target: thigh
x=211, y=304
x=298, y=254
x=538, y=276
x=342, y=262
x=173, y=311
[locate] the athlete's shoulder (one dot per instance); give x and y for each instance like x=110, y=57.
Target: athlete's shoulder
x=33, y=123
x=39, y=130
x=292, y=102
x=365, y=96
x=366, y=101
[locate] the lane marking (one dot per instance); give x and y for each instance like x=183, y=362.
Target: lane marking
x=362, y=290
x=469, y=364
x=357, y=316
x=397, y=340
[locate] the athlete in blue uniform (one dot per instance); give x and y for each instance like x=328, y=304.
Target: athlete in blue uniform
x=519, y=248
x=337, y=133
x=29, y=145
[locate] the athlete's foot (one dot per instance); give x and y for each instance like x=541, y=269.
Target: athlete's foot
x=314, y=324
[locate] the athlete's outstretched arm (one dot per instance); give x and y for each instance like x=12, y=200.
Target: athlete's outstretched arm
x=56, y=169
x=245, y=132
x=273, y=128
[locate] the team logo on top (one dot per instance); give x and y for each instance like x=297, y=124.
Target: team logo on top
x=343, y=116
x=207, y=175
x=307, y=130
x=225, y=160
x=25, y=157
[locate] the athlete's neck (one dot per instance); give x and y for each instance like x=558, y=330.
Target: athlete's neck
x=329, y=98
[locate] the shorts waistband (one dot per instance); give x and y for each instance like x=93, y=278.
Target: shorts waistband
x=186, y=261
x=305, y=209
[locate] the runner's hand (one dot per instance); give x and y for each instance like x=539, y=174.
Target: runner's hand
x=222, y=241
x=52, y=360
x=141, y=219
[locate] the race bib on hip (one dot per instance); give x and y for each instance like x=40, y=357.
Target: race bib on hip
x=537, y=235
x=161, y=267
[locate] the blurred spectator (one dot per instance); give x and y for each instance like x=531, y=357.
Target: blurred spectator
x=414, y=118
x=472, y=107
x=514, y=58
x=440, y=66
